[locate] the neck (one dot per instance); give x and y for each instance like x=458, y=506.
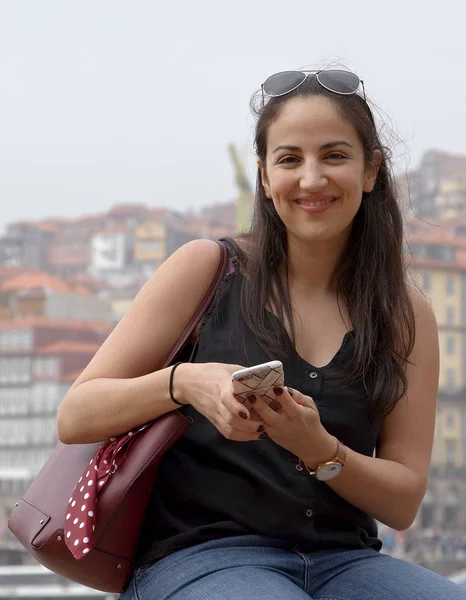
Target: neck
x=312, y=267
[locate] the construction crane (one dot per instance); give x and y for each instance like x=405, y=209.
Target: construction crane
x=244, y=200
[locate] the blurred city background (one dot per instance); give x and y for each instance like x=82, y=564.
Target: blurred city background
x=123, y=132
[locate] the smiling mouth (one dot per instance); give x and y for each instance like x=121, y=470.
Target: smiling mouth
x=315, y=203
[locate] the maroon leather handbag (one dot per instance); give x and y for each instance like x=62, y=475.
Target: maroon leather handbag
x=38, y=519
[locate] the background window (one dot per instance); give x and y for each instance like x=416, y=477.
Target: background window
x=450, y=285
x=451, y=345
x=451, y=447
x=451, y=314
x=450, y=421
x=437, y=252
x=426, y=282
x=451, y=380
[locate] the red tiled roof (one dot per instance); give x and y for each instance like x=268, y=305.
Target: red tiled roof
x=42, y=280
x=127, y=208
x=44, y=226
x=121, y=228
x=83, y=290
x=36, y=280
x=66, y=346
x=86, y=218
x=10, y=272
x=91, y=283
x=32, y=321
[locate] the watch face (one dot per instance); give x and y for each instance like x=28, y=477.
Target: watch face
x=329, y=472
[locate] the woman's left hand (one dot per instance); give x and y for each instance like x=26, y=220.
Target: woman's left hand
x=296, y=426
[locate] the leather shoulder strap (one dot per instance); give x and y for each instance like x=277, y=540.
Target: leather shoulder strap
x=223, y=268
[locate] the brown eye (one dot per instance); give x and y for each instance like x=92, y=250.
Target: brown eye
x=287, y=160
x=336, y=156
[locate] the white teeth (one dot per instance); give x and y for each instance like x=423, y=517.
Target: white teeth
x=318, y=203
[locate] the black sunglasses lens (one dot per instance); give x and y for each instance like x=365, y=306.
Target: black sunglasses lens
x=341, y=82
x=282, y=83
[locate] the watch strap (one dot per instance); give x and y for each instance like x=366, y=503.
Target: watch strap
x=340, y=458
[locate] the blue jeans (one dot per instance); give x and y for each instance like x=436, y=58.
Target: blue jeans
x=258, y=568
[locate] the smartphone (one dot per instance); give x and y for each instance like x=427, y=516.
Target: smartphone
x=260, y=381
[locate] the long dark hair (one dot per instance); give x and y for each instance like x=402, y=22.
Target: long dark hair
x=372, y=274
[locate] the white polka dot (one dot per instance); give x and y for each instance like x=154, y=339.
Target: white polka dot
x=89, y=482
x=91, y=513
x=81, y=488
x=86, y=496
x=92, y=460
x=93, y=528
x=68, y=516
x=73, y=503
x=68, y=534
x=85, y=540
x=101, y=482
x=81, y=525
x=107, y=472
x=76, y=542
x=105, y=461
x=95, y=467
x=87, y=474
x=83, y=508
x=80, y=479
x=75, y=521
x=71, y=500
x=130, y=433
x=86, y=550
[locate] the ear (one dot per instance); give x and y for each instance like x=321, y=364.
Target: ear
x=264, y=180
x=372, y=170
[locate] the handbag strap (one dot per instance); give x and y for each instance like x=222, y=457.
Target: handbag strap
x=222, y=269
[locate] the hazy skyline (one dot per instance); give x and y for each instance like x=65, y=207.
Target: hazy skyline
x=107, y=102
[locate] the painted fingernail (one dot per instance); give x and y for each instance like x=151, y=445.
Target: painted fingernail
x=290, y=391
x=264, y=435
x=243, y=415
x=278, y=391
x=261, y=429
x=252, y=398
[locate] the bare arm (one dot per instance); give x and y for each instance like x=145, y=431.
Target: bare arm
x=124, y=385
x=391, y=486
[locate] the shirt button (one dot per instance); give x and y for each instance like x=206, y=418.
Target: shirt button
x=313, y=375
x=309, y=512
x=299, y=467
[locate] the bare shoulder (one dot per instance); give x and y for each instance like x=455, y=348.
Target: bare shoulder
x=182, y=280
x=425, y=321
x=194, y=259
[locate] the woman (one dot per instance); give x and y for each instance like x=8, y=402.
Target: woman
x=249, y=507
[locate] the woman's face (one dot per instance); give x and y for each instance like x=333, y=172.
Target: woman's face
x=315, y=172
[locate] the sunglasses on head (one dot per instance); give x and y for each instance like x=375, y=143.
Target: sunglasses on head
x=339, y=82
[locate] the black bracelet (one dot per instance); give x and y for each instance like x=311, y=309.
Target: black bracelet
x=170, y=385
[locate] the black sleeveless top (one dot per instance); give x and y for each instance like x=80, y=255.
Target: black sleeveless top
x=209, y=487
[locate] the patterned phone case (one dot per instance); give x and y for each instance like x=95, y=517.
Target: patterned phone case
x=259, y=380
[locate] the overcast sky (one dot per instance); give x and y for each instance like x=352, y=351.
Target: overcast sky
x=111, y=101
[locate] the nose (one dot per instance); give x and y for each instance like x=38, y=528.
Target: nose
x=313, y=176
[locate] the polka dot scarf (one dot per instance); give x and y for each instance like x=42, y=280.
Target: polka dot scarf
x=81, y=515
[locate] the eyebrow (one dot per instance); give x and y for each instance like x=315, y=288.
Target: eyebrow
x=324, y=147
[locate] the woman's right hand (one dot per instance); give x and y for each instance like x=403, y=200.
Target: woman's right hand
x=207, y=387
